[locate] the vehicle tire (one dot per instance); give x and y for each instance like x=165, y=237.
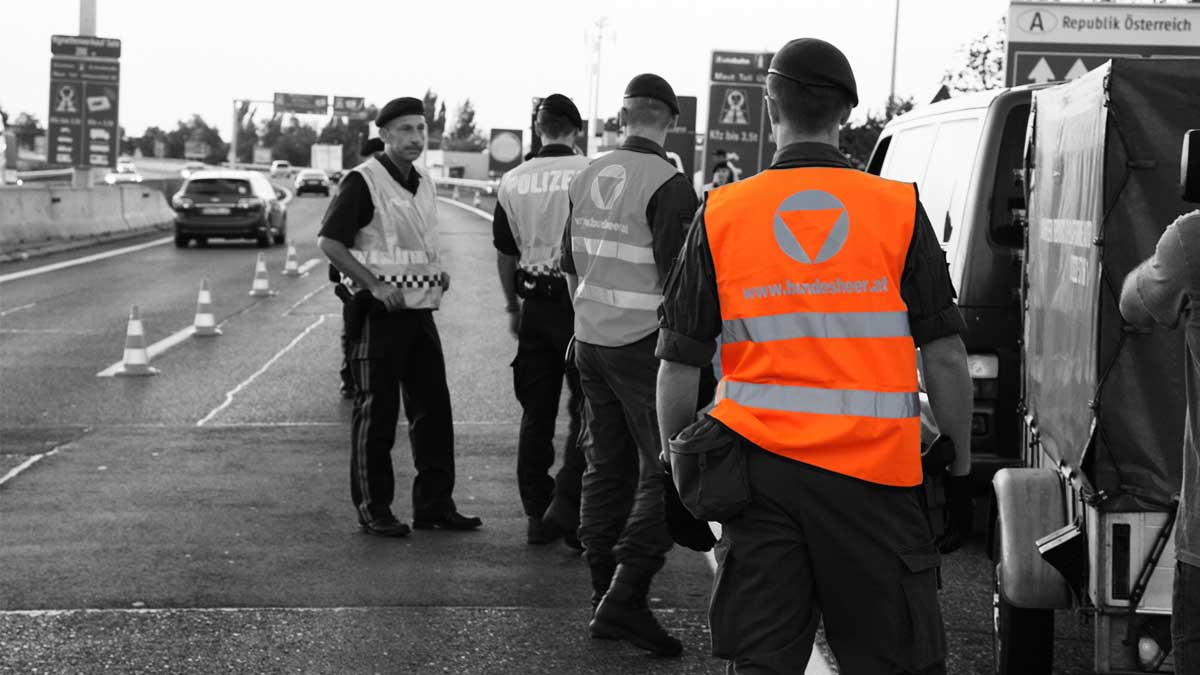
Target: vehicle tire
x=1022, y=639
x=181, y=241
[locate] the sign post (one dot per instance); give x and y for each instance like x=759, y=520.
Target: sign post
x=737, y=118
x=1056, y=41
x=85, y=79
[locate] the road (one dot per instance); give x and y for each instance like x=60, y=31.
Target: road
x=198, y=520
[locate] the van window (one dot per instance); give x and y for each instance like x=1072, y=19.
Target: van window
x=908, y=154
x=1006, y=220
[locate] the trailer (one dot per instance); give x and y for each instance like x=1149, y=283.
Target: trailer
x=1085, y=524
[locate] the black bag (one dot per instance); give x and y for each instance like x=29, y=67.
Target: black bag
x=708, y=465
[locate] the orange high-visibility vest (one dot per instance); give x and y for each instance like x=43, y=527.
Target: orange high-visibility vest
x=819, y=364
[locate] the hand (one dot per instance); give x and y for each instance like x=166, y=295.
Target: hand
x=391, y=297
x=685, y=529
x=445, y=281
x=514, y=322
x=960, y=510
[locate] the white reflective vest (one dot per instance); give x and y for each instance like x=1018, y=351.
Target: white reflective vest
x=400, y=244
x=619, y=290
x=535, y=198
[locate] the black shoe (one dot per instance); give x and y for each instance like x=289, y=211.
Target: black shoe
x=450, y=521
x=623, y=614
x=538, y=532
x=385, y=526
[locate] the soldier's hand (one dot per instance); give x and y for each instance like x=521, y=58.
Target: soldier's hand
x=684, y=528
x=514, y=322
x=391, y=297
x=445, y=281
x=960, y=509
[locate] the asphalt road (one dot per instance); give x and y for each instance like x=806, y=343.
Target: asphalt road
x=198, y=520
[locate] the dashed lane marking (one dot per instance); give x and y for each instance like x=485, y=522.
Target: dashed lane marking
x=308, y=265
x=34, y=271
x=245, y=383
x=17, y=309
x=154, y=349
x=13, y=472
x=303, y=300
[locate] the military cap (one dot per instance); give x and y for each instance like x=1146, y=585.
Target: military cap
x=816, y=63
x=399, y=107
x=649, y=85
x=557, y=104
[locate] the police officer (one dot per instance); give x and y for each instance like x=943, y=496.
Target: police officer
x=531, y=211
x=820, y=281
x=380, y=231
x=630, y=211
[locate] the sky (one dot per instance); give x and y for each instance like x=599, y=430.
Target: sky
x=183, y=58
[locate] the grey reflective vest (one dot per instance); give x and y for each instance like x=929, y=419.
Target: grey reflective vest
x=619, y=289
x=535, y=198
x=400, y=244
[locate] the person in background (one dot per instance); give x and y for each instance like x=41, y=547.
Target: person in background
x=531, y=212
x=721, y=175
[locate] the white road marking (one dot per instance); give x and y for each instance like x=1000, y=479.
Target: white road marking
x=471, y=209
x=12, y=473
x=303, y=300
x=17, y=309
x=155, y=349
x=233, y=392
x=308, y=265
x=34, y=271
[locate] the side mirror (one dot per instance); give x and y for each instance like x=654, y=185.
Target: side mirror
x=1189, y=167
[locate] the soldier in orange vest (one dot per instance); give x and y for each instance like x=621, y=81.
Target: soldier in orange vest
x=822, y=282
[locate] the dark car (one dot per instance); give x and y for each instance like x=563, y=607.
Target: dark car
x=229, y=204
x=312, y=180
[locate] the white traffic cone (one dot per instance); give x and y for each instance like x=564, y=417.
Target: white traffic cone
x=137, y=359
x=476, y=201
x=290, y=267
x=205, y=325
x=261, y=288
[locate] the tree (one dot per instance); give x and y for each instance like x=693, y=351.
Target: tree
x=465, y=137
x=27, y=128
x=858, y=140
x=247, y=132
x=196, y=130
x=435, y=122
x=982, y=65
x=147, y=141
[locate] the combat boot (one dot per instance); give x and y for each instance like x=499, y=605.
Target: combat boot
x=602, y=575
x=624, y=614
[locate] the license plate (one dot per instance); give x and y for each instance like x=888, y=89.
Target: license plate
x=312, y=182
x=215, y=210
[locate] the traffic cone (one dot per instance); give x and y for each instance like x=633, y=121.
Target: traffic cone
x=261, y=288
x=205, y=325
x=137, y=359
x=476, y=201
x=290, y=267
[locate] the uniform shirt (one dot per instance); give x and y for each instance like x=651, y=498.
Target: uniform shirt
x=1165, y=289
x=502, y=235
x=351, y=209
x=690, y=315
x=669, y=213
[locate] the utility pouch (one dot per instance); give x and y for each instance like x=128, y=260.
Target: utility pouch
x=708, y=465
x=544, y=286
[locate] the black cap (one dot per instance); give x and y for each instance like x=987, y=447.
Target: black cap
x=557, y=104
x=399, y=107
x=817, y=63
x=372, y=146
x=649, y=85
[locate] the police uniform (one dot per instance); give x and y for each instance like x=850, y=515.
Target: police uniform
x=630, y=211
x=819, y=280
x=388, y=221
x=531, y=211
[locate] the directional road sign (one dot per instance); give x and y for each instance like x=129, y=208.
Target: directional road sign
x=310, y=104
x=681, y=138
x=1055, y=41
x=737, y=118
x=85, y=81
x=354, y=107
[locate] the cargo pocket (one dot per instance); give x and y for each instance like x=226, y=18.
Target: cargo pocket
x=927, y=639
x=722, y=619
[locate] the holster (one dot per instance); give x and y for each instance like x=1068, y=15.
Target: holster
x=358, y=306
x=935, y=469
x=543, y=286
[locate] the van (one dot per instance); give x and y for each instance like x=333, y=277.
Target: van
x=965, y=155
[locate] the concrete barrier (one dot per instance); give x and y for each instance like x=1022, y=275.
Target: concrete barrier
x=144, y=207
x=34, y=217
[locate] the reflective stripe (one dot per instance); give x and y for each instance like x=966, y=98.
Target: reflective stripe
x=607, y=248
x=855, y=402
x=815, y=325
x=615, y=298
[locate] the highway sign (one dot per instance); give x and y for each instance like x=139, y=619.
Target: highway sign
x=304, y=104
x=681, y=138
x=737, y=118
x=504, y=150
x=83, y=125
x=354, y=107
x=1051, y=42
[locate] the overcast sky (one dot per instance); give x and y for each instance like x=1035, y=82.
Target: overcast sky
x=181, y=58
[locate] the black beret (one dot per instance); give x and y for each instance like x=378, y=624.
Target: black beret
x=372, y=146
x=649, y=85
x=557, y=104
x=815, y=62
x=399, y=107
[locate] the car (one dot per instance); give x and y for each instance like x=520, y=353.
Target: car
x=229, y=204
x=191, y=168
x=125, y=173
x=336, y=177
x=125, y=165
x=312, y=180
x=281, y=169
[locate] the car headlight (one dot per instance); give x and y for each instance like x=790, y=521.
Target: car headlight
x=182, y=203
x=110, y=179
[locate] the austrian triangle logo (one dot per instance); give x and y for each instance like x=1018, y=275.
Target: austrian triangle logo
x=811, y=226
x=607, y=186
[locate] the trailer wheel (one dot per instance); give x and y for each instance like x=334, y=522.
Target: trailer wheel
x=1022, y=639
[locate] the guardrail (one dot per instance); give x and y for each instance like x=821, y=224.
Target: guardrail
x=45, y=175
x=486, y=186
